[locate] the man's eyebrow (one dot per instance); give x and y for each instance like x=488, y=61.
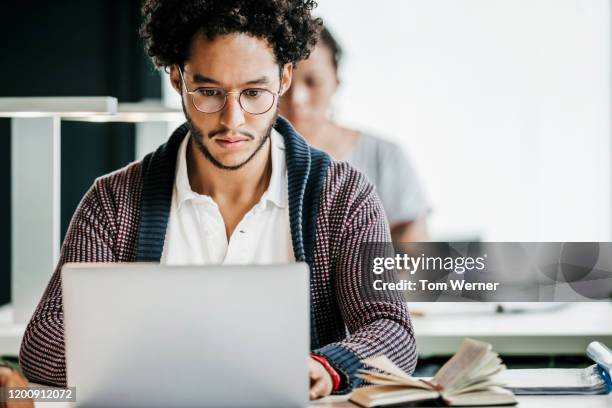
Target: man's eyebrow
x=199, y=78
x=264, y=80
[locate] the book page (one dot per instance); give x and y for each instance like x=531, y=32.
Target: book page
x=398, y=375
x=470, y=355
x=489, y=368
x=383, y=363
x=385, y=379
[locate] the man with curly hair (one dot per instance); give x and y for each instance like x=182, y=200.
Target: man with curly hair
x=237, y=184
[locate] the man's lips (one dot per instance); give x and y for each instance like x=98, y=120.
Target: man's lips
x=233, y=143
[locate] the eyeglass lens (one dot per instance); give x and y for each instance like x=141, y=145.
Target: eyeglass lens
x=255, y=101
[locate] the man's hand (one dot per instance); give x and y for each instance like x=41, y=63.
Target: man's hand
x=12, y=379
x=320, y=381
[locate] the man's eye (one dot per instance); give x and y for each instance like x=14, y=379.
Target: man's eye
x=209, y=92
x=253, y=93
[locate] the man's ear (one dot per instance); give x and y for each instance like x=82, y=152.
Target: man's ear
x=286, y=77
x=175, y=79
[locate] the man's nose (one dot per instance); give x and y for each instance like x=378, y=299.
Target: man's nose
x=232, y=115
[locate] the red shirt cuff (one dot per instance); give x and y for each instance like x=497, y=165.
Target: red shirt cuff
x=333, y=373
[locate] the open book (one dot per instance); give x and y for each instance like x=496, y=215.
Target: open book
x=468, y=378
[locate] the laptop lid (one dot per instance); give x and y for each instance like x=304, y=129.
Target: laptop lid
x=152, y=335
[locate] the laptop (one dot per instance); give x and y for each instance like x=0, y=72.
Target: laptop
x=146, y=335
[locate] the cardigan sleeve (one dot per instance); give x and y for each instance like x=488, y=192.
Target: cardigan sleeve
x=90, y=238
x=376, y=326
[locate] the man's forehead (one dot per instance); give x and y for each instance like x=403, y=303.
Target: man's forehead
x=232, y=59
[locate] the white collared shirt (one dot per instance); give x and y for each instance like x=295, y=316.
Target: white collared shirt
x=196, y=230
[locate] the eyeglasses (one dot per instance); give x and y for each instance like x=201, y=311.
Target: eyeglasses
x=255, y=101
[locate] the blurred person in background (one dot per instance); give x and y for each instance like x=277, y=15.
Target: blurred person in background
x=307, y=106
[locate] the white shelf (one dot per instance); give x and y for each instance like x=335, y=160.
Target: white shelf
x=31, y=107
x=136, y=113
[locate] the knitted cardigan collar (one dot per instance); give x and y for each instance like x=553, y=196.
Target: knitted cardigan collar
x=306, y=172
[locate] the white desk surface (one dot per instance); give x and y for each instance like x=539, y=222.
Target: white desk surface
x=553, y=329
x=533, y=401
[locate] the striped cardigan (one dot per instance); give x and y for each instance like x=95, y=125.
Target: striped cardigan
x=332, y=210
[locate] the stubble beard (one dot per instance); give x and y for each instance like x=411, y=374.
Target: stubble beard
x=197, y=136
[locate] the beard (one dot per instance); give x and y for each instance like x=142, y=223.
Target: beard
x=198, y=138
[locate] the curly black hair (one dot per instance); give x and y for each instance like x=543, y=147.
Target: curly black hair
x=287, y=25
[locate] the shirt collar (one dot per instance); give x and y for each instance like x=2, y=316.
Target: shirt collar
x=277, y=188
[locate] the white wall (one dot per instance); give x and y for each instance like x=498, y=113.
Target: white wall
x=503, y=104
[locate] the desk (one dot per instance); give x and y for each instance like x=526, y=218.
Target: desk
x=532, y=401
x=564, y=329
